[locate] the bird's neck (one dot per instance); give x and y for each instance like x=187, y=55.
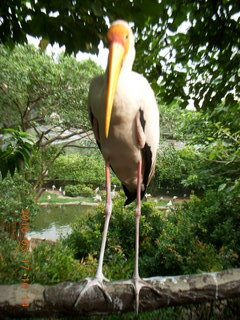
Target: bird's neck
x=129, y=60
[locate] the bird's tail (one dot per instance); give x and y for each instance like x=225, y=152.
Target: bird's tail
x=131, y=196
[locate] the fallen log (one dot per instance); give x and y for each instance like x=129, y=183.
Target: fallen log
x=58, y=300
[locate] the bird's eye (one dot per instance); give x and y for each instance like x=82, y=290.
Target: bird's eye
x=126, y=36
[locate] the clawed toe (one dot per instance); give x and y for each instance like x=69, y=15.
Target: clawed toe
x=138, y=284
x=92, y=282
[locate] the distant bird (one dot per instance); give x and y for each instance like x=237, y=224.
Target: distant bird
x=114, y=192
x=125, y=121
x=49, y=197
x=96, y=190
x=60, y=189
x=175, y=197
x=147, y=195
x=64, y=192
x=169, y=204
x=53, y=187
x=97, y=197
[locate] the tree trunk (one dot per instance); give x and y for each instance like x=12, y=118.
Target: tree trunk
x=18, y=301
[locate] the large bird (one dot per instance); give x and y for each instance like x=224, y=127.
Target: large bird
x=125, y=121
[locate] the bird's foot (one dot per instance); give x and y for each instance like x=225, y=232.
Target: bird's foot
x=138, y=284
x=92, y=282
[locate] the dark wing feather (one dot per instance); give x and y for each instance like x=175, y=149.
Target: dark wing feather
x=147, y=165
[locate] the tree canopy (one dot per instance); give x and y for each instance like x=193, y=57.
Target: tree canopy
x=46, y=98
x=190, y=49
x=37, y=90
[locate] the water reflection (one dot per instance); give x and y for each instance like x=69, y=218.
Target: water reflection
x=52, y=222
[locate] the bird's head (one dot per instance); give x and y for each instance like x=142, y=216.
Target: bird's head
x=120, y=42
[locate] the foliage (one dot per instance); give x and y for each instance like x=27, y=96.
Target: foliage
x=214, y=140
x=85, y=169
x=171, y=168
x=48, y=98
x=171, y=117
x=193, y=47
x=188, y=44
x=16, y=195
x=217, y=220
x=78, y=190
x=49, y=263
x=53, y=263
x=37, y=90
x=200, y=236
x=11, y=257
x=16, y=148
x=174, y=242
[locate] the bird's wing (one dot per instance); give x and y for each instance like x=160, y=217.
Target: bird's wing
x=148, y=163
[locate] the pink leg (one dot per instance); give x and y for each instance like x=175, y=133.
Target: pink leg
x=138, y=282
x=108, y=212
x=137, y=219
x=136, y=278
x=99, y=277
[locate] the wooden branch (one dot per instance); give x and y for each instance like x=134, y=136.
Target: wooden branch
x=59, y=300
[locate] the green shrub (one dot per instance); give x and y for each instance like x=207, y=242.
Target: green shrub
x=11, y=257
x=201, y=236
x=171, y=168
x=15, y=195
x=53, y=263
x=84, y=169
x=189, y=239
x=78, y=190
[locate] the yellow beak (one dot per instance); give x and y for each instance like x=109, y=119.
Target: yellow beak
x=115, y=59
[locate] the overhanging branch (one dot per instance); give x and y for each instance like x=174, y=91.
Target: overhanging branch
x=58, y=300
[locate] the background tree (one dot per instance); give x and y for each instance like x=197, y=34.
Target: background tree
x=46, y=97
x=190, y=49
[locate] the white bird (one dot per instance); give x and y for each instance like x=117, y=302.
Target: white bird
x=125, y=120
x=114, y=192
x=147, y=195
x=60, y=189
x=175, y=197
x=97, y=198
x=49, y=197
x=53, y=187
x=169, y=204
x=96, y=190
x=64, y=192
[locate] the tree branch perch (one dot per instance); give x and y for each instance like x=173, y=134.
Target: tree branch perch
x=58, y=300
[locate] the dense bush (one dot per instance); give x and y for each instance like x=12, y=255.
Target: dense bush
x=11, y=257
x=15, y=195
x=78, y=190
x=81, y=168
x=185, y=240
x=48, y=263
x=53, y=263
x=171, y=168
x=201, y=236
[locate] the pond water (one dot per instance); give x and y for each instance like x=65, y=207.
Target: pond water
x=52, y=222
